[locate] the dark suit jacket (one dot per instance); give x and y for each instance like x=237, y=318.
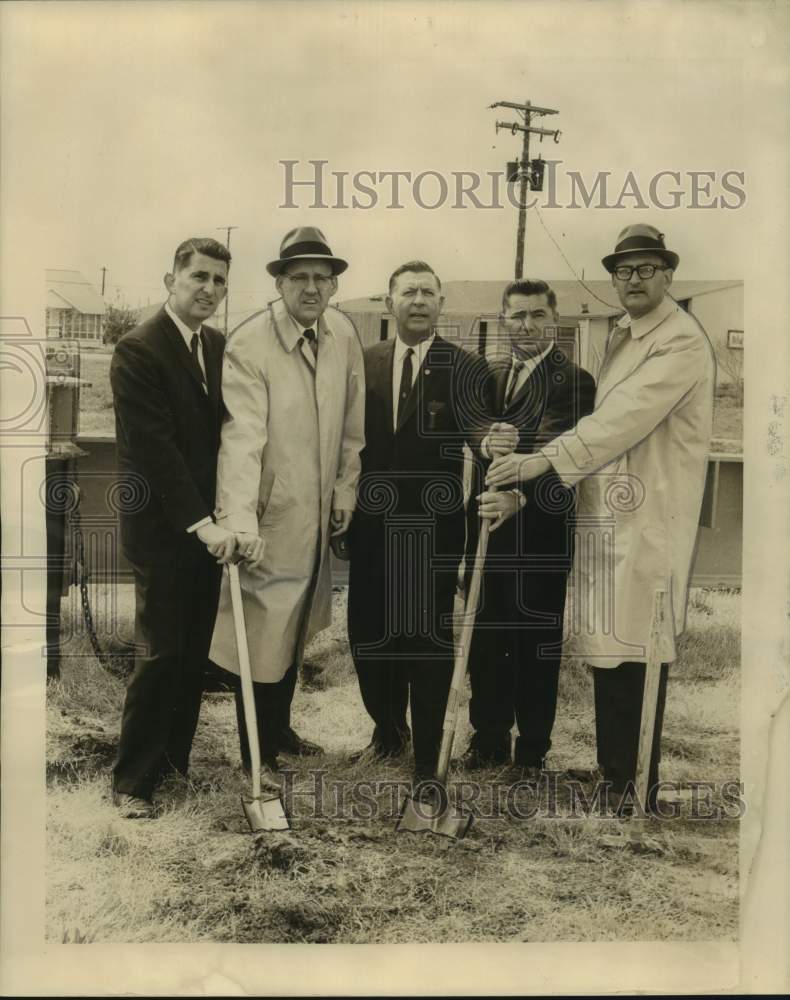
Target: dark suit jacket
x=413, y=475
x=167, y=433
x=552, y=400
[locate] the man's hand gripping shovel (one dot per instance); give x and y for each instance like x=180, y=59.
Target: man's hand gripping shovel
x=417, y=815
x=263, y=813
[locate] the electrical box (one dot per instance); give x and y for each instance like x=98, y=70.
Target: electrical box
x=537, y=168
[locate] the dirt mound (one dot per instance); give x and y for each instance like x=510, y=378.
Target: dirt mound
x=79, y=745
x=279, y=852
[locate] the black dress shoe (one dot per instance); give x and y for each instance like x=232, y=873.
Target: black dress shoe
x=475, y=758
x=293, y=744
x=375, y=750
x=368, y=751
x=132, y=806
x=269, y=762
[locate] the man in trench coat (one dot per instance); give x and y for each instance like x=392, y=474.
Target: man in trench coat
x=293, y=387
x=641, y=460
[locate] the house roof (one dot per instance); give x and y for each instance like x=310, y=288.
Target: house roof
x=482, y=298
x=67, y=288
x=473, y=298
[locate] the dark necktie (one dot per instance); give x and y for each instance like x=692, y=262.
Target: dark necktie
x=309, y=336
x=196, y=357
x=405, y=384
x=518, y=365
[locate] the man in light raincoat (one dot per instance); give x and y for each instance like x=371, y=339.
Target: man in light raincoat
x=641, y=459
x=293, y=387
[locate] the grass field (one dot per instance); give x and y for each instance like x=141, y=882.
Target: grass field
x=344, y=876
x=96, y=412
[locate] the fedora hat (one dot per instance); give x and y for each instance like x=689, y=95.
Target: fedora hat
x=305, y=243
x=640, y=237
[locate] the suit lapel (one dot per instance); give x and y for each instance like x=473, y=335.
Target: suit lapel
x=213, y=369
x=535, y=385
x=181, y=351
x=421, y=384
x=380, y=382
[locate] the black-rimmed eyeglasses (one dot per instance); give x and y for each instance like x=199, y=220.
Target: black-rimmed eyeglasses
x=645, y=271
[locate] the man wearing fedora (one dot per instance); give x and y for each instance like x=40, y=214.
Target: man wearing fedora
x=293, y=387
x=641, y=460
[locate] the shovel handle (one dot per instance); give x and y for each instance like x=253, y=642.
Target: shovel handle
x=245, y=676
x=647, y=723
x=462, y=656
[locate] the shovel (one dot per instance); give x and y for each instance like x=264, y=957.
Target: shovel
x=419, y=816
x=262, y=813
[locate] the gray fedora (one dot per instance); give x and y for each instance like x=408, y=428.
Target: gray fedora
x=305, y=243
x=640, y=237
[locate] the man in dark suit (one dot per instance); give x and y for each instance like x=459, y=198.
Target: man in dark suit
x=166, y=376
x=515, y=654
x=424, y=398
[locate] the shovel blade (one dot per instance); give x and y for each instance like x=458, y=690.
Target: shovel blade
x=418, y=816
x=265, y=814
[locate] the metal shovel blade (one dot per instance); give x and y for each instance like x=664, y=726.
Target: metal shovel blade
x=265, y=813
x=419, y=816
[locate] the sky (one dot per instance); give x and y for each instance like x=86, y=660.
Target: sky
x=129, y=126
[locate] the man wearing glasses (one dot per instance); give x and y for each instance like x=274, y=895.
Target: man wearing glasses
x=293, y=386
x=641, y=458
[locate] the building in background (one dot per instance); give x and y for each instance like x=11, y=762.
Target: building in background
x=587, y=314
x=75, y=310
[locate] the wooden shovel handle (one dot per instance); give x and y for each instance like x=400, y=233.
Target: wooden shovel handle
x=245, y=676
x=455, y=696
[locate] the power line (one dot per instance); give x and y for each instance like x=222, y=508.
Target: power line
x=570, y=266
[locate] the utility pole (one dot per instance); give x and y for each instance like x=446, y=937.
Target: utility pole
x=103, y=276
x=526, y=110
x=227, y=229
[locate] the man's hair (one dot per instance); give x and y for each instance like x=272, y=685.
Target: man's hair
x=199, y=244
x=529, y=287
x=418, y=267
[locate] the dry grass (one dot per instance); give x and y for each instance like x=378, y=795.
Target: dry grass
x=727, y=421
x=344, y=876
x=96, y=411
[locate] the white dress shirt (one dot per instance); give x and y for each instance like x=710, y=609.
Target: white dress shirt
x=420, y=351
x=529, y=366
x=188, y=334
